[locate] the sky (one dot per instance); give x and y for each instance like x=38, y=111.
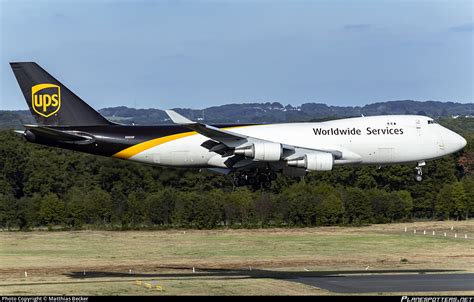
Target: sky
x=197, y=54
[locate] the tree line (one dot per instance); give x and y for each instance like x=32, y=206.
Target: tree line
x=49, y=187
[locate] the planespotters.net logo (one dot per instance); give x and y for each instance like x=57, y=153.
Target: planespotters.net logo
x=437, y=299
x=46, y=99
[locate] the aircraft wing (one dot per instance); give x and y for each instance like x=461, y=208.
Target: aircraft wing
x=214, y=133
x=223, y=141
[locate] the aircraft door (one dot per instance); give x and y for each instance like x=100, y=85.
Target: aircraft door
x=418, y=127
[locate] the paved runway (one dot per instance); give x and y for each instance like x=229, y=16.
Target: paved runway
x=392, y=283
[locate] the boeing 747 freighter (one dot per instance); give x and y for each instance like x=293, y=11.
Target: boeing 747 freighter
x=253, y=152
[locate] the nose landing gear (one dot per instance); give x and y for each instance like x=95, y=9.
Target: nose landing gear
x=419, y=171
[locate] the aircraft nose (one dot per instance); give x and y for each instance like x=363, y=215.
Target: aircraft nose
x=454, y=141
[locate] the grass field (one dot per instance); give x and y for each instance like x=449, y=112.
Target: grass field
x=225, y=261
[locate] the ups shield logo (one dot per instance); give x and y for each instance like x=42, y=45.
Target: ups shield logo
x=46, y=99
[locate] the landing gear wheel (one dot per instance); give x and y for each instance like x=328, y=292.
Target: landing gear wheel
x=419, y=170
x=242, y=182
x=256, y=186
x=266, y=184
x=251, y=180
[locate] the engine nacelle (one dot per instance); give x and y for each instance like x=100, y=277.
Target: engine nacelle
x=262, y=151
x=30, y=136
x=314, y=162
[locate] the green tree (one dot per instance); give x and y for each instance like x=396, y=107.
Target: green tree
x=119, y=204
x=459, y=200
x=238, y=207
x=206, y=209
x=5, y=186
x=264, y=208
x=406, y=203
x=444, y=206
x=8, y=212
x=380, y=200
x=28, y=211
x=231, y=211
x=365, y=178
x=330, y=210
x=358, y=208
x=468, y=183
x=397, y=208
x=301, y=204
x=183, y=213
x=76, y=212
x=99, y=206
x=160, y=206
x=136, y=209
x=304, y=203
x=52, y=210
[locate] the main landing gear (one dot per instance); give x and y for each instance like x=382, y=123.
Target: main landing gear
x=255, y=179
x=419, y=171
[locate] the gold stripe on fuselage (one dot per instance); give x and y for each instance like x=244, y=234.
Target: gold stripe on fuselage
x=135, y=149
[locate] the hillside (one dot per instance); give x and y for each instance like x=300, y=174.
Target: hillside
x=276, y=112
x=263, y=112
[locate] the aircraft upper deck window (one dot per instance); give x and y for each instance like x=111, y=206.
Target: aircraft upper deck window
x=431, y=122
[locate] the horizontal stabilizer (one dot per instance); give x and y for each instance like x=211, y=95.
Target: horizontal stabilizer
x=58, y=135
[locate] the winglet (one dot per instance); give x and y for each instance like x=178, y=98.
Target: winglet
x=178, y=118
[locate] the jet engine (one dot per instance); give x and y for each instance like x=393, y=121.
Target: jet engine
x=314, y=162
x=265, y=151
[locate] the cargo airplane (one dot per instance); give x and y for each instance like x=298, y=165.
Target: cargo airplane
x=254, y=153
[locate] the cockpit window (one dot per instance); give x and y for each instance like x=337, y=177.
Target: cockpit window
x=432, y=122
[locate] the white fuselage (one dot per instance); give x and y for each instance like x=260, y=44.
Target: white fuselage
x=377, y=140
